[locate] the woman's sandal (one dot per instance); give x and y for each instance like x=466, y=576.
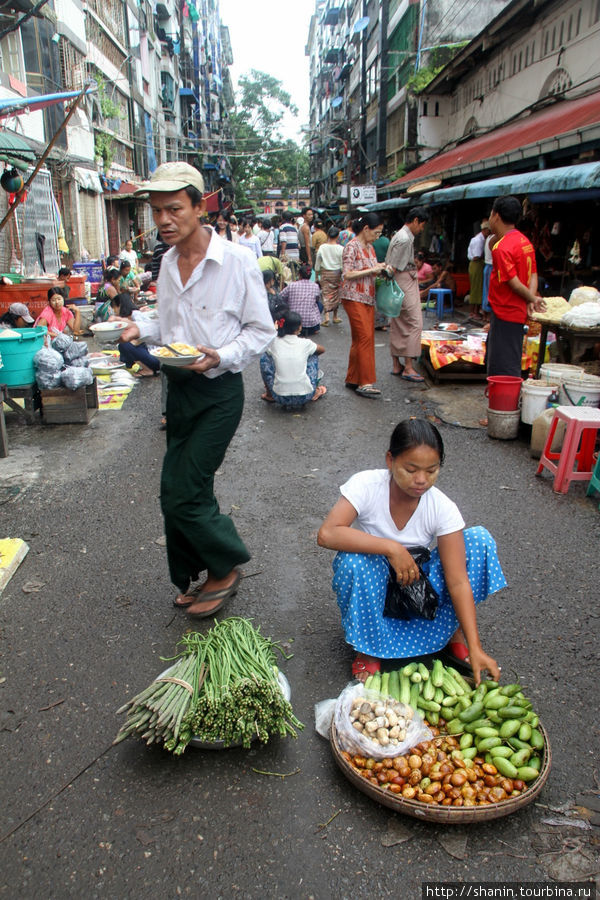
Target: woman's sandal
x=368, y=391
x=362, y=664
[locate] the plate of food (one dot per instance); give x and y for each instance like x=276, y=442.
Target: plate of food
x=108, y=331
x=104, y=365
x=177, y=354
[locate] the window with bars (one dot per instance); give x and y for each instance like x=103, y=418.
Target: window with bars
x=72, y=65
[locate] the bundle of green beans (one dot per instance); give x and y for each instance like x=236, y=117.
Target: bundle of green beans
x=223, y=686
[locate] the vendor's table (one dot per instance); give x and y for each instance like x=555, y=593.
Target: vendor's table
x=26, y=392
x=572, y=343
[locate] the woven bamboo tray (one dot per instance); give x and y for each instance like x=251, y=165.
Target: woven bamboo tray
x=453, y=815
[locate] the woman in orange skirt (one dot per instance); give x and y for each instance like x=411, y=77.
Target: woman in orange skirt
x=357, y=292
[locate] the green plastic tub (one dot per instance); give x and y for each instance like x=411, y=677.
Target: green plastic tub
x=17, y=355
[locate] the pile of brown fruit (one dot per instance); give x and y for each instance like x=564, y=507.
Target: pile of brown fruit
x=436, y=772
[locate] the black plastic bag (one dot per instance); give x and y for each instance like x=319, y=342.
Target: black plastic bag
x=412, y=601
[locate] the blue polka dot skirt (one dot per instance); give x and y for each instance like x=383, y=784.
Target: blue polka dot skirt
x=360, y=582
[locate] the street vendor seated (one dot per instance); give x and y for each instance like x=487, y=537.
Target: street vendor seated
x=123, y=310
x=128, y=280
x=107, y=291
x=16, y=316
x=56, y=316
x=393, y=510
x=442, y=278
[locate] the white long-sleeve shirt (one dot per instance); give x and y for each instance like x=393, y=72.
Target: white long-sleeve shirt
x=476, y=244
x=223, y=305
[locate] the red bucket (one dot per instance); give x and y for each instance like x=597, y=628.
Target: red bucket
x=503, y=392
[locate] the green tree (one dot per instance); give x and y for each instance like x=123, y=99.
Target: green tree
x=261, y=158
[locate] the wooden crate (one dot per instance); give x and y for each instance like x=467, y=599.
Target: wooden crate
x=62, y=406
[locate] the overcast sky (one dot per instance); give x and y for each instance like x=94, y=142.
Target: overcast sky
x=271, y=38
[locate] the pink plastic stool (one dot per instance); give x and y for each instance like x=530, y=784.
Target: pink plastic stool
x=582, y=426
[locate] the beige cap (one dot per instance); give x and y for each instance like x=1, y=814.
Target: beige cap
x=172, y=176
x=485, y=224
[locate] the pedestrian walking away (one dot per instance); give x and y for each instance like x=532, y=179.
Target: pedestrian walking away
x=328, y=269
x=406, y=328
x=210, y=294
x=393, y=510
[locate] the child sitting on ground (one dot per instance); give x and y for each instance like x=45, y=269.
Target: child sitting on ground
x=290, y=367
x=304, y=297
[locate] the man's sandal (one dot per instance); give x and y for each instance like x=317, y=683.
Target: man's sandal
x=362, y=664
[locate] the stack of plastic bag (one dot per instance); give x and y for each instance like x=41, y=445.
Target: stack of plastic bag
x=74, y=377
x=48, y=364
x=65, y=363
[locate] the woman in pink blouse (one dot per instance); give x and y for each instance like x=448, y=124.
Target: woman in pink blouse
x=56, y=316
x=357, y=292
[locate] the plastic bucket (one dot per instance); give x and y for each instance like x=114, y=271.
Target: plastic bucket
x=503, y=424
x=17, y=355
x=583, y=391
x=503, y=392
x=555, y=373
x=534, y=396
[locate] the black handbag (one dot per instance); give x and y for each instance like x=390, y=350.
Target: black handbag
x=418, y=600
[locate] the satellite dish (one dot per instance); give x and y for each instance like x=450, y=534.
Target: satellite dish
x=422, y=186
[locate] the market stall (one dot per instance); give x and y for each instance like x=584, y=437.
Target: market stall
x=455, y=354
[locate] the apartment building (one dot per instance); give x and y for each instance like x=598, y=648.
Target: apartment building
x=160, y=91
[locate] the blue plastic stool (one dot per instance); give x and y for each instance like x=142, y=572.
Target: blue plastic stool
x=444, y=300
x=594, y=484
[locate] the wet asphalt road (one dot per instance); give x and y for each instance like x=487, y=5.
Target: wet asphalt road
x=80, y=819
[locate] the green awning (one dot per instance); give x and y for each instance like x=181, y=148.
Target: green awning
x=573, y=182
x=15, y=151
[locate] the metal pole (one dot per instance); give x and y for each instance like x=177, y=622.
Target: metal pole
x=43, y=157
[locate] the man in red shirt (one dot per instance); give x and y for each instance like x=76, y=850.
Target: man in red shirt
x=513, y=288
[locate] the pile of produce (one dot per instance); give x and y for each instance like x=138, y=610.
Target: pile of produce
x=384, y=721
x=432, y=693
x=223, y=686
x=436, y=772
x=486, y=748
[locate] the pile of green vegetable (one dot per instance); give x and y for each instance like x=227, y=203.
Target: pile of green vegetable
x=223, y=686
x=495, y=722
x=432, y=693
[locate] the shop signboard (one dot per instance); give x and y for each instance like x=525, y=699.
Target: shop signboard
x=363, y=193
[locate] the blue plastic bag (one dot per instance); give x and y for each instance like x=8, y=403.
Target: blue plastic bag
x=388, y=297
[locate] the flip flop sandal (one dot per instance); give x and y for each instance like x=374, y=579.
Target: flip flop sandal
x=362, y=664
x=221, y=596
x=370, y=392
x=457, y=653
x=337, y=321
x=399, y=373
x=416, y=379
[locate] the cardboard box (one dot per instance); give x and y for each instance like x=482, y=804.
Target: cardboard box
x=62, y=406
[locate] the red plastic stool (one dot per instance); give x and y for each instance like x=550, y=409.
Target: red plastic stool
x=582, y=426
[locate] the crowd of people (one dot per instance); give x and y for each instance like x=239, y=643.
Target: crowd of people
x=243, y=291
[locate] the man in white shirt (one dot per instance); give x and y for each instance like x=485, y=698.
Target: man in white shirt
x=475, y=257
x=210, y=294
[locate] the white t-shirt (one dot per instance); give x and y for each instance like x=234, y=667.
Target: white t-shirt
x=329, y=257
x=290, y=354
x=129, y=256
x=369, y=494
